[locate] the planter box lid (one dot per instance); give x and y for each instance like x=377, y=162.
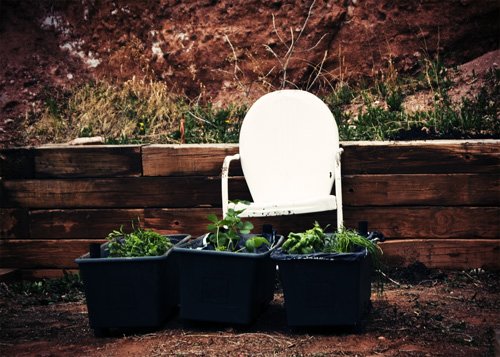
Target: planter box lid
x=194, y=247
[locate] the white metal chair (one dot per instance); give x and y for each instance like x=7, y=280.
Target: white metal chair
x=290, y=156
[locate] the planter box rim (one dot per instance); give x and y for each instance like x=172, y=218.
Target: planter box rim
x=278, y=254
x=111, y=260
x=183, y=248
x=492, y=141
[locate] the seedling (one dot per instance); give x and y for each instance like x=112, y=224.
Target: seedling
x=226, y=233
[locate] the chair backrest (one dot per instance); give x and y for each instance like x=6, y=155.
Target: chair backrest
x=288, y=143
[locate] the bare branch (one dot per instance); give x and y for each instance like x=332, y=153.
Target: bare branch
x=236, y=67
x=318, y=72
x=316, y=45
x=277, y=33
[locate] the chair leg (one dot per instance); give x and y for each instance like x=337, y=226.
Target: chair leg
x=338, y=190
x=340, y=217
x=224, y=182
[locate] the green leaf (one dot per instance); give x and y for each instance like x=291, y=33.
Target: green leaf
x=306, y=242
x=228, y=237
x=246, y=227
x=212, y=227
x=253, y=243
x=238, y=212
x=212, y=218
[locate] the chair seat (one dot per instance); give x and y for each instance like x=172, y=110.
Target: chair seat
x=264, y=209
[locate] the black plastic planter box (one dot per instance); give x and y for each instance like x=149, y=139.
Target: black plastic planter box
x=224, y=287
x=325, y=289
x=130, y=293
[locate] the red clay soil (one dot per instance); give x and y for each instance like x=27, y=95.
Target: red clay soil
x=432, y=313
x=222, y=50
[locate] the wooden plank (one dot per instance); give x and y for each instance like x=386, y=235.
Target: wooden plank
x=124, y=192
x=393, y=222
x=444, y=254
x=181, y=220
x=427, y=222
x=75, y=162
x=192, y=191
x=428, y=190
x=419, y=157
x=184, y=160
x=9, y=274
x=14, y=223
x=82, y=224
x=454, y=156
x=35, y=274
x=45, y=254
x=194, y=220
x=382, y=157
x=16, y=163
x=434, y=253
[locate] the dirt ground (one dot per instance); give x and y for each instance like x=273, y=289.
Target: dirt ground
x=419, y=313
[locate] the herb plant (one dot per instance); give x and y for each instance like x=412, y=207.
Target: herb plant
x=315, y=240
x=346, y=241
x=139, y=243
x=226, y=233
x=310, y=241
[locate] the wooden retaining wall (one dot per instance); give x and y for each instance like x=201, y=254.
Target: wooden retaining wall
x=437, y=202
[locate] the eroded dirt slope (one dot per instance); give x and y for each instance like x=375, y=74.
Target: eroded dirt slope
x=225, y=50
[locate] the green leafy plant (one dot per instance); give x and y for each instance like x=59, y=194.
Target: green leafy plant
x=67, y=288
x=310, y=241
x=226, y=233
x=346, y=241
x=395, y=100
x=139, y=243
x=209, y=124
x=315, y=240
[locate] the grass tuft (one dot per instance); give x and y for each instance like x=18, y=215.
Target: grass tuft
x=141, y=111
x=46, y=291
x=138, y=111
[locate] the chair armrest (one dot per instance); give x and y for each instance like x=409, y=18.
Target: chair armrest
x=339, y=153
x=224, y=181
